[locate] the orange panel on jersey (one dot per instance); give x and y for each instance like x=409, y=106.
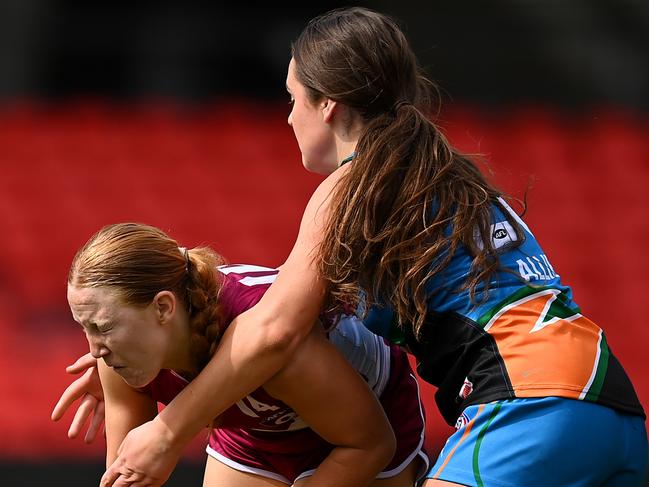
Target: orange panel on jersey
x=567, y=350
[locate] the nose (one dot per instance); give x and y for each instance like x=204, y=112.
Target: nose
x=290, y=118
x=97, y=347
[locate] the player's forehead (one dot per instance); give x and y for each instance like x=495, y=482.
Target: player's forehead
x=290, y=76
x=93, y=303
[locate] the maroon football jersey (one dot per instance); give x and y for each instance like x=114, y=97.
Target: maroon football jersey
x=261, y=434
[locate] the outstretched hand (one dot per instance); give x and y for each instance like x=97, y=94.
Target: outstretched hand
x=88, y=388
x=145, y=457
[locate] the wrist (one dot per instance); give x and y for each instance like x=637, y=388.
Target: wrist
x=169, y=438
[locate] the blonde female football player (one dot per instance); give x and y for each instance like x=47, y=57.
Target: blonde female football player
x=153, y=313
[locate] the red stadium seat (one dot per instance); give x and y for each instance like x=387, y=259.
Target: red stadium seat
x=230, y=176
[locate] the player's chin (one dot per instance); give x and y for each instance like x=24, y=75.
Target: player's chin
x=136, y=379
x=318, y=167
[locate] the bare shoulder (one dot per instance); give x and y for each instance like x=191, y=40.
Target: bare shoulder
x=317, y=210
x=293, y=302
x=323, y=192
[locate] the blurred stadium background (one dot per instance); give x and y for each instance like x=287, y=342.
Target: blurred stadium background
x=174, y=114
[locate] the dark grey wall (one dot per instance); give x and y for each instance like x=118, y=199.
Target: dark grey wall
x=80, y=474
x=496, y=52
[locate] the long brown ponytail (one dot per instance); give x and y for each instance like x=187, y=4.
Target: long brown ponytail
x=388, y=229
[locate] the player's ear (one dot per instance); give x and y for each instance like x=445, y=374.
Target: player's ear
x=164, y=305
x=329, y=109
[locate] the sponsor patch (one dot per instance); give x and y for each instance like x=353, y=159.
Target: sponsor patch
x=503, y=235
x=462, y=421
x=466, y=389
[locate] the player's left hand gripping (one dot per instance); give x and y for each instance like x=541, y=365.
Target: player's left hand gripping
x=144, y=458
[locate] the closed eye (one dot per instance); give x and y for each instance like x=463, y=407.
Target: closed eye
x=290, y=95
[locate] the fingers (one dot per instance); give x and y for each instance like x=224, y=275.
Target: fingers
x=123, y=482
x=132, y=482
x=81, y=364
x=95, y=425
x=125, y=478
x=73, y=392
x=110, y=476
x=88, y=404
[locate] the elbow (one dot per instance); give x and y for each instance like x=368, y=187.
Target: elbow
x=379, y=450
x=384, y=445
x=386, y=448
x=278, y=336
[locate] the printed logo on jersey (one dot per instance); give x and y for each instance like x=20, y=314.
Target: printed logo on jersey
x=536, y=268
x=462, y=421
x=286, y=417
x=271, y=416
x=466, y=389
x=502, y=235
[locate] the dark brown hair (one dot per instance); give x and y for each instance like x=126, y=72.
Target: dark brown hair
x=409, y=200
x=138, y=261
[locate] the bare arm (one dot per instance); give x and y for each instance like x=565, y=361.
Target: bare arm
x=260, y=341
x=255, y=347
x=126, y=409
x=344, y=411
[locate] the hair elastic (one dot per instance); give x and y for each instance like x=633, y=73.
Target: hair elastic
x=185, y=252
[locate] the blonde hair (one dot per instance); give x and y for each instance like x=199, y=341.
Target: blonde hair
x=138, y=261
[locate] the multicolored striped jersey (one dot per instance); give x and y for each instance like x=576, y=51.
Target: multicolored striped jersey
x=526, y=337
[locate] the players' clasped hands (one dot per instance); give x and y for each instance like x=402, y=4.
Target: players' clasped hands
x=158, y=460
